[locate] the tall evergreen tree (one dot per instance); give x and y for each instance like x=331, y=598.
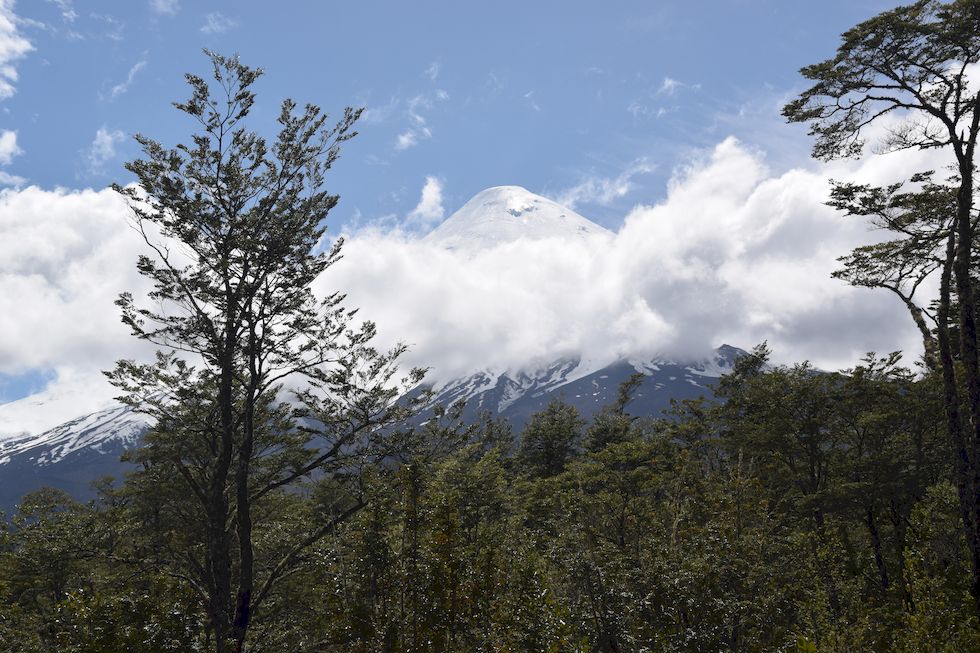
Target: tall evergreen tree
x=234, y=226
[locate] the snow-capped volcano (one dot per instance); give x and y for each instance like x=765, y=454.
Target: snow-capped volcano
x=40, y=445
x=505, y=214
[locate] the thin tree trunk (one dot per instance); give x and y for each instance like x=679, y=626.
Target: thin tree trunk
x=826, y=575
x=869, y=519
x=968, y=348
x=930, y=355
x=963, y=464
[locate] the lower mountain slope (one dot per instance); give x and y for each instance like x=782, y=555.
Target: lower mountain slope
x=77, y=453
x=516, y=395
x=70, y=456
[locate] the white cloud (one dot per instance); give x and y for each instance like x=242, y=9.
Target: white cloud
x=429, y=209
x=13, y=46
x=594, y=189
x=167, y=7
x=122, y=87
x=64, y=258
x=406, y=140
x=216, y=23
x=8, y=146
x=529, y=96
x=494, y=84
x=415, y=105
x=7, y=179
x=380, y=113
x=419, y=129
x=669, y=86
x=102, y=150
x=114, y=28
x=638, y=109
x=432, y=72
x=8, y=150
x=71, y=393
x=733, y=254
x=68, y=13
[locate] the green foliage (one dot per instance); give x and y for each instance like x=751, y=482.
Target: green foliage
x=799, y=511
x=804, y=511
x=234, y=226
x=911, y=64
x=900, y=61
x=550, y=439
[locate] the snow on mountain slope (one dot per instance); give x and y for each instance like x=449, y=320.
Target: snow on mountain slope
x=63, y=400
x=514, y=384
x=79, y=451
x=115, y=427
x=505, y=214
x=516, y=394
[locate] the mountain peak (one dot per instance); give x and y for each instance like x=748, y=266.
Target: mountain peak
x=504, y=214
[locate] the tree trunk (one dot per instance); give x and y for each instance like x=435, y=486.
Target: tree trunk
x=219, y=544
x=869, y=519
x=968, y=350
x=825, y=573
x=962, y=461
x=219, y=570
x=930, y=355
x=243, y=513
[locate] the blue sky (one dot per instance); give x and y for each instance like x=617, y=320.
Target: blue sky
x=566, y=98
x=658, y=120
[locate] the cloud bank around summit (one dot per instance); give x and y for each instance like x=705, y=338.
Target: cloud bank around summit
x=732, y=254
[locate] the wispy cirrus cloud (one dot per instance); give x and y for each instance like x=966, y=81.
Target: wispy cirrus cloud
x=217, y=23
x=669, y=85
x=529, y=96
x=379, y=113
x=416, y=109
x=102, y=150
x=122, y=87
x=432, y=72
x=410, y=113
x=656, y=102
x=602, y=191
x=165, y=7
x=408, y=139
x=68, y=13
x=637, y=109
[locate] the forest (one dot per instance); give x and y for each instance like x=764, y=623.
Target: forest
x=284, y=501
